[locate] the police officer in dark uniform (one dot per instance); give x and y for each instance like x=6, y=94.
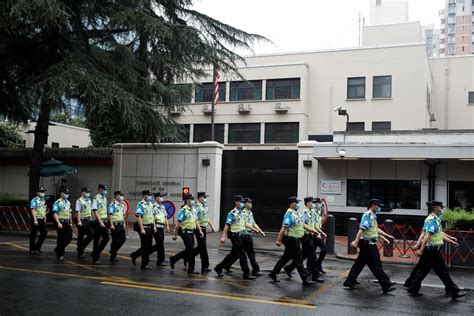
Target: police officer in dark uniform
x=38, y=211
x=62, y=220
x=430, y=254
x=235, y=228
x=116, y=219
x=82, y=219
x=145, y=227
x=100, y=223
x=290, y=235
x=366, y=240
x=186, y=225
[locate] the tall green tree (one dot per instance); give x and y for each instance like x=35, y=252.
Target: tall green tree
x=10, y=135
x=118, y=59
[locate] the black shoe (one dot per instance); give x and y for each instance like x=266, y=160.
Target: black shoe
x=172, y=263
x=458, y=295
x=288, y=272
x=350, y=287
x=228, y=270
x=318, y=279
x=33, y=252
x=133, y=259
x=273, y=277
x=147, y=267
x=219, y=272
x=61, y=258
x=206, y=270
x=193, y=273
x=257, y=274
x=390, y=289
x=249, y=277
x=308, y=283
x=96, y=263
x=415, y=294
x=322, y=271
x=114, y=260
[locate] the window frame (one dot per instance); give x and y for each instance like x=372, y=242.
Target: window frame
x=356, y=86
x=355, y=124
x=218, y=129
x=257, y=86
x=273, y=84
x=382, y=84
x=382, y=129
x=231, y=131
x=199, y=90
x=470, y=98
x=277, y=126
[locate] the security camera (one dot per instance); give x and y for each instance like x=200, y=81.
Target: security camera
x=341, y=153
x=337, y=108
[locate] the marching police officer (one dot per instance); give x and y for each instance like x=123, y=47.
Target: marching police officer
x=318, y=213
x=38, y=211
x=430, y=255
x=82, y=219
x=202, y=213
x=62, y=222
x=366, y=240
x=145, y=227
x=116, y=217
x=161, y=224
x=235, y=228
x=186, y=225
x=100, y=225
x=247, y=240
x=290, y=235
x=307, y=242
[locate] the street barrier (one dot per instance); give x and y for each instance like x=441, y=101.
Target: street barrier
x=352, y=228
x=14, y=218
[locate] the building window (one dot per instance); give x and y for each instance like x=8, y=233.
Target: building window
x=355, y=126
x=461, y=194
x=246, y=90
x=356, y=88
x=202, y=133
x=183, y=134
x=321, y=138
x=282, y=132
x=74, y=146
x=381, y=126
x=54, y=145
x=204, y=92
x=382, y=87
x=395, y=194
x=282, y=89
x=471, y=98
x=244, y=133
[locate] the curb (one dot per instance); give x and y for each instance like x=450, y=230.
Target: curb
x=347, y=258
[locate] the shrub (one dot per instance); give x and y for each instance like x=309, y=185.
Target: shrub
x=458, y=219
x=12, y=200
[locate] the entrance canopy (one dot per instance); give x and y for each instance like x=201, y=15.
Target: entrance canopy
x=54, y=167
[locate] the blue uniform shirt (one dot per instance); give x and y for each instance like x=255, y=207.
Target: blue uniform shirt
x=433, y=226
x=288, y=220
x=231, y=217
x=140, y=211
x=33, y=203
x=111, y=208
x=366, y=222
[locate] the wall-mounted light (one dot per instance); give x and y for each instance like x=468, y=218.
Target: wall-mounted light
x=206, y=162
x=307, y=163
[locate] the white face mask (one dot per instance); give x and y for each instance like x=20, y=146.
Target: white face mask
x=66, y=196
x=121, y=198
x=161, y=200
x=42, y=195
x=298, y=205
x=88, y=195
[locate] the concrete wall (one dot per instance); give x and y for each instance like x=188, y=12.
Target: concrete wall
x=64, y=135
x=391, y=34
x=169, y=168
x=388, y=11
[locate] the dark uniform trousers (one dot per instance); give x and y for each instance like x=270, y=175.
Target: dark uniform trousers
x=118, y=239
x=201, y=248
x=432, y=259
x=308, y=251
x=187, y=254
x=85, y=234
x=237, y=252
x=146, y=241
x=42, y=229
x=368, y=255
x=101, y=238
x=247, y=241
x=64, y=237
x=323, y=250
x=159, y=246
x=292, y=252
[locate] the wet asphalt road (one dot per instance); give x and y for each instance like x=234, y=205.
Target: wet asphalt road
x=38, y=285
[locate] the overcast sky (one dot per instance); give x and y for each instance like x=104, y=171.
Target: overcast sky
x=301, y=25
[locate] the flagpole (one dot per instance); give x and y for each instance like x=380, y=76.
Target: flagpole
x=213, y=103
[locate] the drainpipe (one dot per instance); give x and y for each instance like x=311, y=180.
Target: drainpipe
x=432, y=178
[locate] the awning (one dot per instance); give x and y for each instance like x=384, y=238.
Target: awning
x=54, y=167
x=393, y=151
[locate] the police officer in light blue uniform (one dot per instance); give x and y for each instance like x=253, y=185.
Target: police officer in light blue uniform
x=100, y=223
x=145, y=227
x=82, y=219
x=116, y=217
x=161, y=224
x=430, y=254
x=62, y=222
x=38, y=211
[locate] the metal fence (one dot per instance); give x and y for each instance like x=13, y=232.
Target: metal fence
x=14, y=218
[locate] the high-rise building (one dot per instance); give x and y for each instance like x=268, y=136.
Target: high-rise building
x=388, y=12
x=431, y=36
x=457, y=37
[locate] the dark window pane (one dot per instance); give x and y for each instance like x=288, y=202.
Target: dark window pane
x=382, y=87
x=400, y=194
x=471, y=98
x=356, y=88
x=202, y=133
x=356, y=126
x=54, y=145
x=321, y=138
x=281, y=132
x=381, y=126
x=281, y=89
x=204, y=92
x=244, y=133
x=242, y=90
x=461, y=194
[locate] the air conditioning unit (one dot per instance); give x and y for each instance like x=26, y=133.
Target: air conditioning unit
x=281, y=108
x=176, y=111
x=207, y=110
x=244, y=108
x=432, y=117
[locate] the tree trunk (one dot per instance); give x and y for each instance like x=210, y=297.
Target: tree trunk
x=41, y=139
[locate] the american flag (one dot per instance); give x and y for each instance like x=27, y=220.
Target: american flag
x=216, y=87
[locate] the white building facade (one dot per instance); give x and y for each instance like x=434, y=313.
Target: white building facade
x=59, y=135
